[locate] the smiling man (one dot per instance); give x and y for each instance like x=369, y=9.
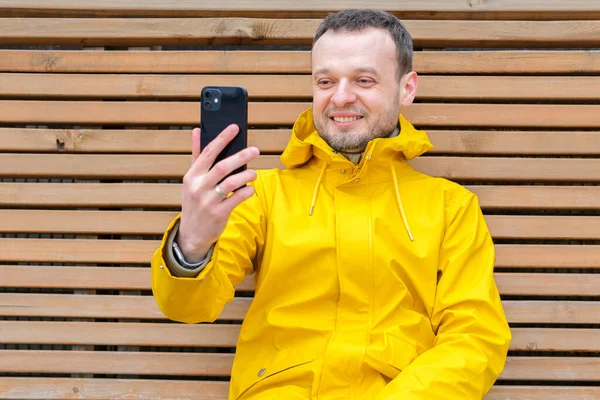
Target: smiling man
x=373, y=281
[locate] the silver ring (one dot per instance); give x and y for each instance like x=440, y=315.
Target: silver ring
x=220, y=192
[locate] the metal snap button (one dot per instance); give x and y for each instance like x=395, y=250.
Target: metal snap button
x=261, y=371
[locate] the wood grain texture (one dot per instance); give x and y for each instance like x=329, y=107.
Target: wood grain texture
x=269, y=141
x=548, y=284
x=12, y=388
x=111, y=166
x=140, y=252
x=431, y=87
x=115, y=334
x=543, y=393
x=552, y=368
x=547, y=256
x=162, y=195
x=460, y=9
x=93, y=222
x=130, y=363
x=127, y=278
x=121, y=389
x=144, y=307
x=78, y=250
x=190, y=364
x=300, y=32
x=93, y=306
x=297, y=62
x=537, y=116
x=217, y=335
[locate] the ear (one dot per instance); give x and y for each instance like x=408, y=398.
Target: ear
x=408, y=88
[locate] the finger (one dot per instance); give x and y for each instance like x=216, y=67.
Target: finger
x=236, y=181
x=195, y=144
x=209, y=154
x=237, y=198
x=230, y=164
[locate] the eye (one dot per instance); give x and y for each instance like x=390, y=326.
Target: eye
x=364, y=81
x=325, y=83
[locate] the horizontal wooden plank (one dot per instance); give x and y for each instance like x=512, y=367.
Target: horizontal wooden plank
x=536, y=197
x=241, y=31
x=547, y=256
x=113, y=166
x=155, y=223
x=190, y=364
x=554, y=339
x=139, y=113
x=32, y=388
x=144, y=307
x=502, y=9
x=131, y=363
x=120, y=334
x=79, y=277
x=159, y=195
x=140, y=251
x=552, y=369
x=505, y=392
x=98, y=306
x=548, y=284
x=216, y=335
x=120, y=389
x=543, y=227
x=78, y=250
x=431, y=87
x=460, y=142
x=90, y=194
x=510, y=169
x=557, y=312
x=131, y=278
x=155, y=141
x=280, y=61
x=536, y=116
x=85, y=222
x=512, y=142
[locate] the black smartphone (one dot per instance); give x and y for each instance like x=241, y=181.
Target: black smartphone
x=220, y=107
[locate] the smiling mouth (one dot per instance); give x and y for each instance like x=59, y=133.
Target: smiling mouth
x=345, y=120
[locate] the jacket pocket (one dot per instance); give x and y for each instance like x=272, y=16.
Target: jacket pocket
x=282, y=363
x=402, y=352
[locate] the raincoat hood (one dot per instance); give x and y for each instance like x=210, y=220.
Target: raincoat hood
x=306, y=142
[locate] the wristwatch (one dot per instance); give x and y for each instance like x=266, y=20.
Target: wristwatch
x=181, y=260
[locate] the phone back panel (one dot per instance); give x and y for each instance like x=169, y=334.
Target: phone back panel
x=231, y=108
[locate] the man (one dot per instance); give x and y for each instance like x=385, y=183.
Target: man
x=373, y=281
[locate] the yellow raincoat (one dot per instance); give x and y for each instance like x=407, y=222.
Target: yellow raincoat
x=347, y=305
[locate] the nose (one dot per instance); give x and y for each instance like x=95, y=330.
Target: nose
x=343, y=95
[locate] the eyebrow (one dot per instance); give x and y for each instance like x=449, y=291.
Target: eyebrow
x=362, y=69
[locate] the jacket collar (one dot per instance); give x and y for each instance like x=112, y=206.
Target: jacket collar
x=306, y=143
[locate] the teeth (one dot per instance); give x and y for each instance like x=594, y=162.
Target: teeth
x=345, y=119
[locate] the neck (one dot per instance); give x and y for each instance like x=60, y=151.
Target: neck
x=355, y=157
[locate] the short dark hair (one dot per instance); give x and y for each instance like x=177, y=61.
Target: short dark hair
x=358, y=20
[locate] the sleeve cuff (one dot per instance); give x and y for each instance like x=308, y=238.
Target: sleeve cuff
x=171, y=261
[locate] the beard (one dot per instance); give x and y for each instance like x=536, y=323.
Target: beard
x=351, y=140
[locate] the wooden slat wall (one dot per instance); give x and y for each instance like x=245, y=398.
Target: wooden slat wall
x=509, y=93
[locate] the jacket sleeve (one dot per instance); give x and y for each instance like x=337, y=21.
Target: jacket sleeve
x=472, y=333
x=201, y=298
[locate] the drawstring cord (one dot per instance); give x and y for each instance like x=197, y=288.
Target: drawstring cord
x=316, y=192
x=399, y=200
x=397, y=190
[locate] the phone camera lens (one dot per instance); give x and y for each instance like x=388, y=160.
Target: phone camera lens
x=208, y=105
x=208, y=95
